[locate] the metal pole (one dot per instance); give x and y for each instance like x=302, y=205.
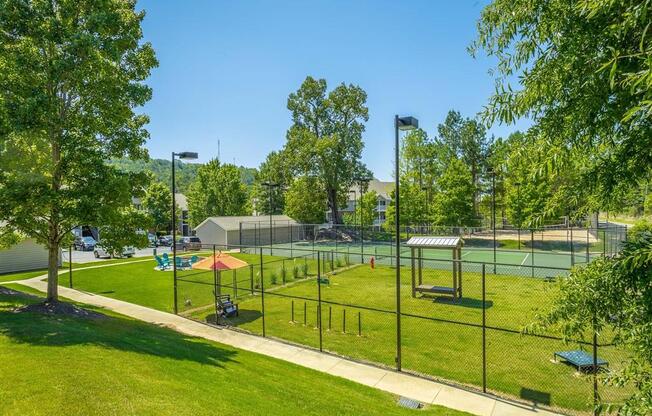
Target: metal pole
x=70, y=266
x=174, y=237
x=571, y=247
x=398, y=245
x=532, y=251
x=262, y=291
x=271, y=211
x=595, y=368
x=484, y=331
x=493, y=212
x=319, y=310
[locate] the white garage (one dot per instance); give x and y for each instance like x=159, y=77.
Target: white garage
x=24, y=256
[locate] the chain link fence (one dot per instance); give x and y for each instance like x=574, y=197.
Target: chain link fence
x=345, y=302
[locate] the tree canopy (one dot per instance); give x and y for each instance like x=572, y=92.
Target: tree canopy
x=325, y=139
x=217, y=191
x=72, y=75
x=157, y=202
x=305, y=201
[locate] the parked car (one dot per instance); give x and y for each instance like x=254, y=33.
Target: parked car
x=188, y=243
x=165, y=241
x=85, y=243
x=99, y=251
x=152, y=240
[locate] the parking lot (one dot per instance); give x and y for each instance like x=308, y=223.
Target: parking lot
x=88, y=256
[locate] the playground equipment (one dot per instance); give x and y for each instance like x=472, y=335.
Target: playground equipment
x=417, y=245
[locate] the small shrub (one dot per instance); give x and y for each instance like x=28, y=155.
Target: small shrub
x=257, y=281
x=338, y=262
x=273, y=278
x=304, y=269
x=295, y=272
x=283, y=273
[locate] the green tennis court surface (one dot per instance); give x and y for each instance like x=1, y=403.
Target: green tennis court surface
x=384, y=253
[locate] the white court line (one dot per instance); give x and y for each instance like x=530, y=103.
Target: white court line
x=465, y=253
x=526, y=256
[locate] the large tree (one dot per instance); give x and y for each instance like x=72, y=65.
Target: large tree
x=71, y=74
x=305, y=201
x=584, y=73
x=217, y=191
x=453, y=203
x=325, y=139
x=275, y=170
x=157, y=203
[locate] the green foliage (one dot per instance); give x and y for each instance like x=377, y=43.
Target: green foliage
x=157, y=202
x=584, y=79
x=453, y=204
x=365, y=210
x=647, y=205
x=72, y=75
x=306, y=200
x=614, y=295
x=325, y=139
x=273, y=278
x=273, y=170
x=217, y=191
x=283, y=272
x=295, y=272
x=640, y=227
x=304, y=270
x=124, y=229
x=8, y=238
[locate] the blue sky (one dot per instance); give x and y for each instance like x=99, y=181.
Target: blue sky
x=226, y=69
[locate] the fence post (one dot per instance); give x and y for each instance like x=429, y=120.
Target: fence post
x=70, y=266
x=292, y=313
x=217, y=315
x=572, y=248
x=484, y=330
x=283, y=271
x=251, y=278
x=359, y=324
x=587, y=245
x=532, y=251
x=235, y=284
x=330, y=316
x=332, y=262
x=262, y=291
x=319, y=312
x=305, y=314
x=604, y=243
x=595, y=369
x=344, y=321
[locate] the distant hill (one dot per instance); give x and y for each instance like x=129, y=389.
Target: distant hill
x=185, y=172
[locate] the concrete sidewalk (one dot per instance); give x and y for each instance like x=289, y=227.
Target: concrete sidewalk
x=425, y=391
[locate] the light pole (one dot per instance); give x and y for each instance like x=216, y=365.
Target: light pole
x=181, y=156
x=425, y=220
x=270, y=186
x=355, y=202
x=493, y=211
x=400, y=123
x=362, y=183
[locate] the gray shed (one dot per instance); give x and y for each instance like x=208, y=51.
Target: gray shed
x=417, y=245
x=226, y=231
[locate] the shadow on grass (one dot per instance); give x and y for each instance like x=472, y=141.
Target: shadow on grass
x=114, y=332
x=245, y=316
x=464, y=302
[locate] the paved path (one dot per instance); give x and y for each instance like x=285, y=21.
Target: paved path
x=426, y=391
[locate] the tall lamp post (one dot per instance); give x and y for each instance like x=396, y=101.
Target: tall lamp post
x=270, y=186
x=180, y=156
x=520, y=221
x=493, y=210
x=400, y=123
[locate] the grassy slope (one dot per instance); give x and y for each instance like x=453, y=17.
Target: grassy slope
x=121, y=366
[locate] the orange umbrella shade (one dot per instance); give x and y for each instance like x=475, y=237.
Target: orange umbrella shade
x=221, y=261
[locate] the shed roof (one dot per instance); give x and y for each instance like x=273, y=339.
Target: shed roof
x=233, y=223
x=435, y=242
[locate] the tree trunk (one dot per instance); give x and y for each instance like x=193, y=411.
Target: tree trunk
x=53, y=272
x=332, y=202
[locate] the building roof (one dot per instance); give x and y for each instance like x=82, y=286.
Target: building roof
x=435, y=242
x=383, y=189
x=248, y=221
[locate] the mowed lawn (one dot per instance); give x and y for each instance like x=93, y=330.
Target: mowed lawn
x=517, y=365
x=76, y=366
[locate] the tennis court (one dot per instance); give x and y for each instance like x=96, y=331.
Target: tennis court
x=384, y=253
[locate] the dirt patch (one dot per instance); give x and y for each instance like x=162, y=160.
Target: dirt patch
x=60, y=309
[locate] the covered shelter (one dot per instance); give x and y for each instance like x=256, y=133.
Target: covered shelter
x=417, y=245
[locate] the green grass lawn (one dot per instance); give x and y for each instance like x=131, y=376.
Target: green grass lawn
x=73, y=366
x=21, y=275
x=518, y=365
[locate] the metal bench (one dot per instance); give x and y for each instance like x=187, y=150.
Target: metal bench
x=580, y=359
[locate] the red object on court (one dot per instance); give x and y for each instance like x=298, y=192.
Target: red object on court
x=372, y=262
